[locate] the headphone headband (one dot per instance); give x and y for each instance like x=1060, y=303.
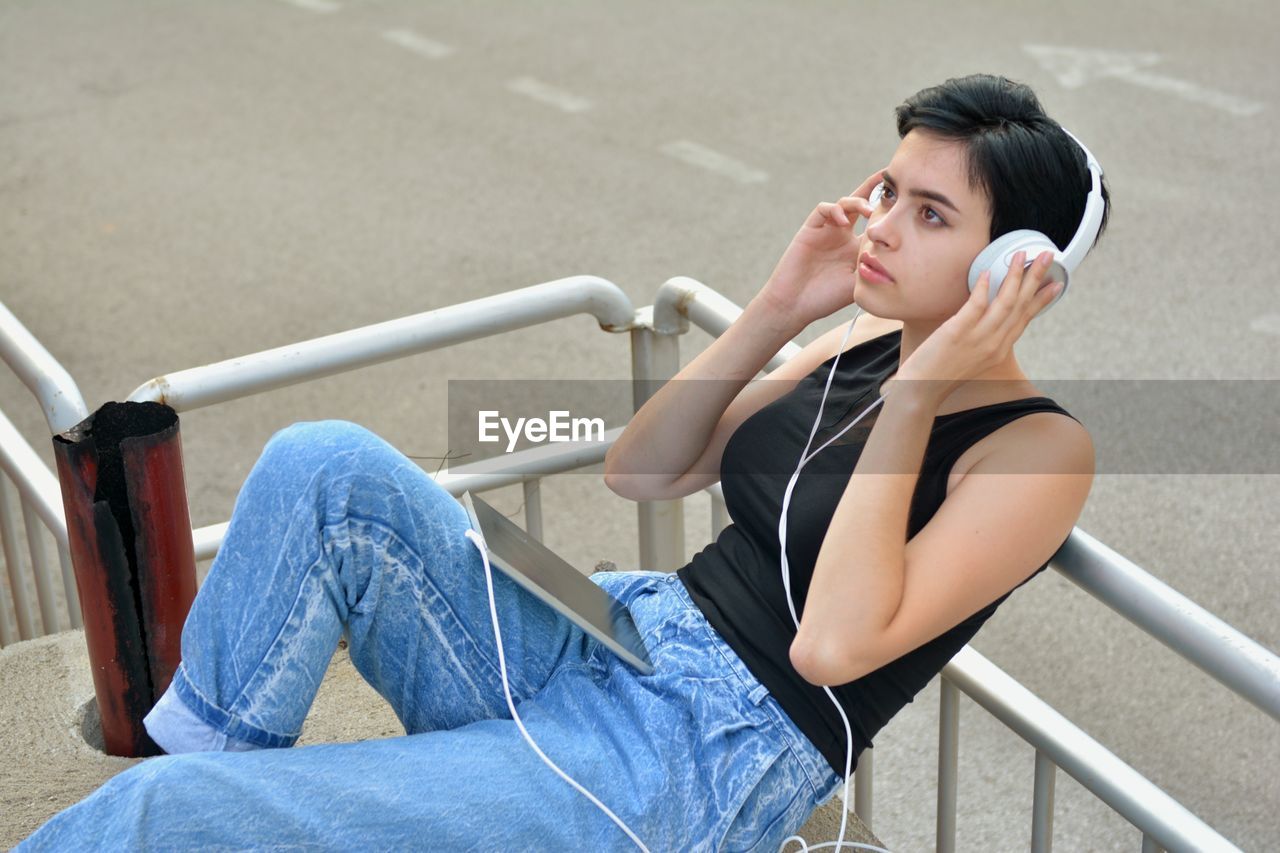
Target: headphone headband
x=1094, y=206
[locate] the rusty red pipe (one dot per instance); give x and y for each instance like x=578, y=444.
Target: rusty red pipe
x=129, y=534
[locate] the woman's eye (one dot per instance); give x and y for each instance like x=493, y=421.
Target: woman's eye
x=886, y=195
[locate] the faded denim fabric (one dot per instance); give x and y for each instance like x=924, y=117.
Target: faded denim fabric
x=336, y=529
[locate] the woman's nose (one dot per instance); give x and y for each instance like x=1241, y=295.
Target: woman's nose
x=882, y=227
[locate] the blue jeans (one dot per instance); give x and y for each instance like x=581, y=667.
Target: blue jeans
x=334, y=529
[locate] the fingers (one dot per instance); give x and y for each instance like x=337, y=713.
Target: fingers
x=1036, y=286
x=848, y=208
x=864, y=190
x=834, y=212
x=977, y=302
x=1011, y=287
x=856, y=207
x=1047, y=292
x=827, y=213
x=844, y=211
x=1024, y=293
x=1023, y=281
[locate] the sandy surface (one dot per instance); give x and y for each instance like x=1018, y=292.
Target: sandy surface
x=45, y=691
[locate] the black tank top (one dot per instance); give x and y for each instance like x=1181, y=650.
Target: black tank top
x=736, y=581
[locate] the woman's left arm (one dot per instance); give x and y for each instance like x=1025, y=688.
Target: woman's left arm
x=874, y=596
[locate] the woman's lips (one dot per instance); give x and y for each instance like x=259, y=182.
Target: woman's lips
x=872, y=271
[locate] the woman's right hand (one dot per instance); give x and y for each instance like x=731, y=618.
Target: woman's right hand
x=815, y=276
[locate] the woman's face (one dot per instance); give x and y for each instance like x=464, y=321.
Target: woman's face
x=925, y=242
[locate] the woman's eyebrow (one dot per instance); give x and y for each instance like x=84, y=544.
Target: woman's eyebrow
x=929, y=194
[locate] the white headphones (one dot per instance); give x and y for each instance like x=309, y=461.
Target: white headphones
x=998, y=254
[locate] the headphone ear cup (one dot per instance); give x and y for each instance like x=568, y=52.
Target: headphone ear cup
x=998, y=255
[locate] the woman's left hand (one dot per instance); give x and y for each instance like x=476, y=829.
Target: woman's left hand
x=979, y=336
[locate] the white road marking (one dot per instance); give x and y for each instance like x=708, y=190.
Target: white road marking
x=324, y=7
x=1267, y=323
x=430, y=48
x=547, y=94
x=1074, y=67
x=1191, y=92
x=713, y=161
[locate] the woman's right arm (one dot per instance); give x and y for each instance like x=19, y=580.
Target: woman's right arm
x=673, y=446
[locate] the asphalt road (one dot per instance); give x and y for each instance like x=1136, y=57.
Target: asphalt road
x=185, y=182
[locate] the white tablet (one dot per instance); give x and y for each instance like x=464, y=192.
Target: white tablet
x=541, y=571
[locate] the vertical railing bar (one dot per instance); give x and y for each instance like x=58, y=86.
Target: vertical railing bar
x=6, y=624
x=8, y=627
x=862, y=793
x=13, y=567
x=642, y=369
x=948, y=756
x=533, y=507
x=69, y=584
x=655, y=357
x=1150, y=845
x=1042, y=804
x=40, y=569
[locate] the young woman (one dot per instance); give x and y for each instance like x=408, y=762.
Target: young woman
x=900, y=543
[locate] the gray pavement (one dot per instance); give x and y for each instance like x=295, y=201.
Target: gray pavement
x=185, y=182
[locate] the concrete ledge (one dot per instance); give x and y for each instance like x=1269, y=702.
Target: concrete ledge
x=46, y=706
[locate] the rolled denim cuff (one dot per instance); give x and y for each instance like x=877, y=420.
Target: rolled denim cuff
x=177, y=729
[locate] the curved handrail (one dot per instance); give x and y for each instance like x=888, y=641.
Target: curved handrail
x=48, y=380
x=36, y=483
x=1234, y=659
x=287, y=365
x=682, y=300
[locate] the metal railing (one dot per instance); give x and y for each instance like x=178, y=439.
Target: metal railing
x=39, y=496
x=1242, y=665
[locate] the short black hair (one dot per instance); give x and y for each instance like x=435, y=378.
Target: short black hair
x=1033, y=173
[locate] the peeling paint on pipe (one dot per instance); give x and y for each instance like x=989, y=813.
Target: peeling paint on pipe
x=129, y=535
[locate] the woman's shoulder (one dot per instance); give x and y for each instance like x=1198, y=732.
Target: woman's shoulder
x=1050, y=423
x=1048, y=414
x=1047, y=440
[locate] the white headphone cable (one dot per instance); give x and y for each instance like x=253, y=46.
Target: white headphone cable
x=477, y=539
x=805, y=456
